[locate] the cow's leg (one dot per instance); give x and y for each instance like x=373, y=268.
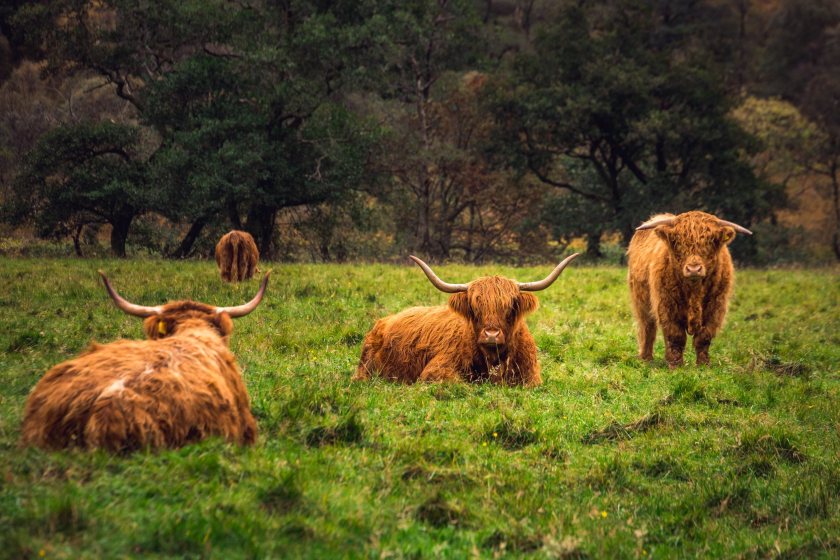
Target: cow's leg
x=645, y=321
x=439, y=369
x=673, y=322
x=714, y=312
x=646, y=334
x=675, y=340
x=702, y=341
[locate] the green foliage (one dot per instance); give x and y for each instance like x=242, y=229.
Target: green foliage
x=457, y=116
x=245, y=103
x=607, y=110
x=78, y=175
x=609, y=458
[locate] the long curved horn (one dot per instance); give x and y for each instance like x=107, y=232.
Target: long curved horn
x=437, y=282
x=736, y=227
x=125, y=305
x=244, y=309
x=654, y=223
x=548, y=280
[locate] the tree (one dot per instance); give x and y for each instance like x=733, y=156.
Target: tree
x=802, y=61
x=81, y=175
x=631, y=96
x=244, y=100
x=427, y=39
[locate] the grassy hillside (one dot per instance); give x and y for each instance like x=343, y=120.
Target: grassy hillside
x=610, y=458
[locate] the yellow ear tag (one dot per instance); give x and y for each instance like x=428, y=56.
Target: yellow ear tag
x=161, y=327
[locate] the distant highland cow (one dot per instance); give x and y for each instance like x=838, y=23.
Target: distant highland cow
x=480, y=336
x=681, y=277
x=237, y=256
x=179, y=387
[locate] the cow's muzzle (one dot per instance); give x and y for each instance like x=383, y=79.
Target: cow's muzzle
x=491, y=336
x=694, y=270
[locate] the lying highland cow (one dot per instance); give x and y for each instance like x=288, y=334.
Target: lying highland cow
x=237, y=256
x=179, y=387
x=481, y=335
x=681, y=278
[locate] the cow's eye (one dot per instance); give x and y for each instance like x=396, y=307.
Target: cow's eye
x=512, y=313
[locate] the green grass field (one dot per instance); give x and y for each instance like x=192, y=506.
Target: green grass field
x=609, y=458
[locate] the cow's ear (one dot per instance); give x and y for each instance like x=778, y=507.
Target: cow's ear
x=460, y=303
x=527, y=303
x=666, y=234
x=155, y=327
x=224, y=323
x=726, y=235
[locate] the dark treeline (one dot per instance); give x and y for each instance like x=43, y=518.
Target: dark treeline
x=457, y=129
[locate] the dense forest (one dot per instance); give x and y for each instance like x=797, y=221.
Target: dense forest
x=467, y=130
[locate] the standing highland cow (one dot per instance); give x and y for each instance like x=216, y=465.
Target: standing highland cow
x=237, y=256
x=681, y=277
x=179, y=387
x=481, y=335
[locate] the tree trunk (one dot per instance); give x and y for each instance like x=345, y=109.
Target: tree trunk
x=469, y=244
x=835, y=197
x=425, y=219
x=119, y=233
x=627, y=233
x=261, y=225
x=593, y=245
x=77, y=246
x=324, y=247
x=186, y=245
x=233, y=215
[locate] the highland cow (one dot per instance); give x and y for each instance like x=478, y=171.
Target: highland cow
x=480, y=336
x=681, y=277
x=237, y=256
x=180, y=386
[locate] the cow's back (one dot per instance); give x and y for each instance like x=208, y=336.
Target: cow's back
x=401, y=345
x=237, y=256
x=135, y=394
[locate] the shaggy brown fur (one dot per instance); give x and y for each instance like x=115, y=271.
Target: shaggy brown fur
x=237, y=256
x=181, y=386
x=459, y=341
x=680, y=278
